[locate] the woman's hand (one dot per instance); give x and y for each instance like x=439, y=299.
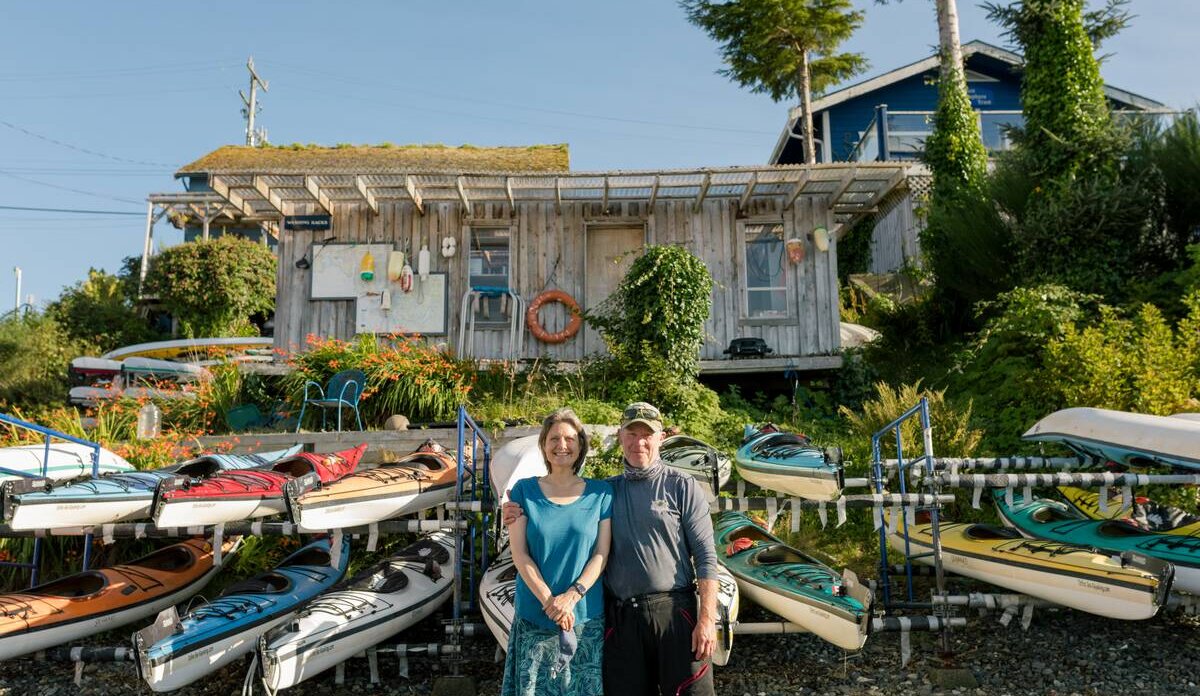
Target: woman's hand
x=561, y=605
x=567, y=622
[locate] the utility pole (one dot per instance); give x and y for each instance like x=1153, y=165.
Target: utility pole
x=254, y=137
x=17, y=301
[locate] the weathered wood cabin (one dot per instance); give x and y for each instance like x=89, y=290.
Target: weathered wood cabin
x=486, y=231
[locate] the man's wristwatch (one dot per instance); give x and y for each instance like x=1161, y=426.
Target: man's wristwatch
x=578, y=587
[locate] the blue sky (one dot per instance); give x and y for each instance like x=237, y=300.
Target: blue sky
x=104, y=100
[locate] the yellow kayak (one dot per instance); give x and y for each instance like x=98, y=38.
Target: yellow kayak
x=1163, y=519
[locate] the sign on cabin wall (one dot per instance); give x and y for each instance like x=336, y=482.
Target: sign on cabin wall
x=337, y=272
x=423, y=309
x=308, y=222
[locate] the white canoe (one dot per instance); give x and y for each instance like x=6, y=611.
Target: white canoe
x=67, y=460
x=95, y=367
x=381, y=602
x=189, y=347
x=497, y=603
x=516, y=460
x=1135, y=439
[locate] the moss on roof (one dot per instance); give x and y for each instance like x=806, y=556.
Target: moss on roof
x=343, y=158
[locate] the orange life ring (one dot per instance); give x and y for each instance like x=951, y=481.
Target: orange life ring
x=540, y=333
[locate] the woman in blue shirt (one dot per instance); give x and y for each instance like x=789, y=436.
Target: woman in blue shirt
x=559, y=547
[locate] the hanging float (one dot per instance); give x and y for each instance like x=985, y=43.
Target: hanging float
x=539, y=332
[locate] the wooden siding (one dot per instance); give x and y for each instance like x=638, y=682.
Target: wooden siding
x=548, y=252
x=896, y=236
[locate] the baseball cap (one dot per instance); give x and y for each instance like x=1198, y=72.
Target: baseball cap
x=642, y=412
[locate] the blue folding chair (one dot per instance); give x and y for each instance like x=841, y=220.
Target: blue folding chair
x=343, y=391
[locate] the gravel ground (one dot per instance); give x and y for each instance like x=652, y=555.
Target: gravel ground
x=1063, y=652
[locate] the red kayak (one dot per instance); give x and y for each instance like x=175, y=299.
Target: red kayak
x=231, y=496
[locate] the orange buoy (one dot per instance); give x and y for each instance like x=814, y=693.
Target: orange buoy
x=538, y=331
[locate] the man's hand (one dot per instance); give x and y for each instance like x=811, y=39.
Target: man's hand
x=704, y=638
x=510, y=512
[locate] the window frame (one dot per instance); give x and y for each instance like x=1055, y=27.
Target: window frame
x=789, y=312
x=472, y=230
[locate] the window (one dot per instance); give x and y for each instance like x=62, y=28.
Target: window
x=766, y=284
x=490, y=270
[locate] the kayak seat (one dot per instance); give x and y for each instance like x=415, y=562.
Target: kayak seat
x=269, y=583
x=199, y=468
x=987, y=532
x=394, y=582
x=1050, y=513
x=313, y=557
x=779, y=554
x=426, y=463
x=170, y=558
x=294, y=467
x=426, y=550
x=80, y=585
x=1120, y=529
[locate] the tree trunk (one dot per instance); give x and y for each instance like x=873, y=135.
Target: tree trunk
x=804, y=87
x=948, y=42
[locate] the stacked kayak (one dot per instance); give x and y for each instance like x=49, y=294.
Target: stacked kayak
x=377, y=604
x=67, y=460
x=415, y=482
x=1073, y=576
x=698, y=459
x=497, y=603
x=1133, y=439
x=133, y=378
x=79, y=605
x=229, y=496
x=228, y=627
x=1049, y=519
x=1144, y=513
x=114, y=497
x=789, y=463
x=793, y=584
x=516, y=460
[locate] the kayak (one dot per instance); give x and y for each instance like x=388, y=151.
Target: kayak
x=789, y=463
x=1144, y=513
x=116, y=497
x=228, y=627
x=1133, y=439
x=91, y=396
x=698, y=459
x=99, y=600
x=497, y=597
x=518, y=459
x=417, y=481
x=229, y=496
x=377, y=604
x=189, y=348
x=793, y=584
x=1132, y=588
x=1050, y=519
x=67, y=460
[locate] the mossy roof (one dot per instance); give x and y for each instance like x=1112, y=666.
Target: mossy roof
x=371, y=159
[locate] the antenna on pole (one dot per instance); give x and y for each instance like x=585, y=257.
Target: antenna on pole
x=17, y=301
x=254, y=136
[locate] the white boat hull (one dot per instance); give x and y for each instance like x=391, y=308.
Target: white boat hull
x=810, y=487
x=79, y=513
x=67, y=460
x=840, y=631
x=186, y=668
x=185, y=512
x=1128, y=438
x=354, y=514
x=514, y=461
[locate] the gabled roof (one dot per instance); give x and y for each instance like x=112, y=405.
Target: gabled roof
x=1129, y=99
x=344, y=159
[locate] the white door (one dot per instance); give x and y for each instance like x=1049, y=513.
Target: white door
x=609, y=253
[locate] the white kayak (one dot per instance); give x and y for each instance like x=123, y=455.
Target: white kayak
x=516, y=460
x=497, y=603
x=190, y=347
x=67, y=460
x=382, y=601
x=164, y=369
x=1135, y=439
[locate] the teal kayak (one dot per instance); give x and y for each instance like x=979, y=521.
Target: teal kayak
x=790, y=464
x=794, y=585
x=1039, y=518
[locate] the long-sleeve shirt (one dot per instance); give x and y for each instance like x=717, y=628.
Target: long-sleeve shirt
x=662, y=534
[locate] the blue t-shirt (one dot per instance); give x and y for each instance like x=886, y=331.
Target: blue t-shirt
x=560, y=540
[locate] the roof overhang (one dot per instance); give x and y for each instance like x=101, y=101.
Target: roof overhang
x=849, y=189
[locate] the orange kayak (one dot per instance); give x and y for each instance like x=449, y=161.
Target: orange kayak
x=417, y=481
x=98, y=600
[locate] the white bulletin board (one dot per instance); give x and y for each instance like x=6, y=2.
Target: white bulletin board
x=423, y=310
x=335, y=270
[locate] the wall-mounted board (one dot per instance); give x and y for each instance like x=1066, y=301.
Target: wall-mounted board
x=336, y=268
x=424, y=310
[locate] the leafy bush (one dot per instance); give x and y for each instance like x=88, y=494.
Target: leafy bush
x=100, y=311
x=1130, y=364
x=34, y=355
x=404, y=376
x=953, y=435
x=213, y=287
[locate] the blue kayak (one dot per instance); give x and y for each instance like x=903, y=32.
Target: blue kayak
x=228, y=627
x=790, y=464
x=117, y=497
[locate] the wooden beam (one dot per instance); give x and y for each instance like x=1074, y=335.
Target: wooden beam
x=361, y=184
x=410, y=185
x=841, y=187
x=888, y=186
x=703, y=191
x=512, y=202
x=221, y=188
x=838, y=230
x=604, y=200
x=462, y=196
x=314, y=189
x=264, y=190
x=749, y=191
x=558, y=195
x=653, y=193
x=797, y=189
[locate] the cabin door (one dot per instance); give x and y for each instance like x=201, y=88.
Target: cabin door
x=610, y=251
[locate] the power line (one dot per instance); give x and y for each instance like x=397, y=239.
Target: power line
x=67, y=188
x=204, y=66
x=84, y=150
x=67, y=210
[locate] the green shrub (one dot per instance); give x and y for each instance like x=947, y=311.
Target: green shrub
x=35, y=353
x=100, y=311
x=953, y=435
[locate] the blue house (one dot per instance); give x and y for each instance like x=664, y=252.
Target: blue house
x=887, y=118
